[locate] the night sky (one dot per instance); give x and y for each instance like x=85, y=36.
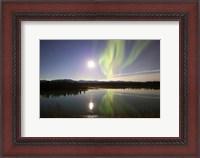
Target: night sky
x=126, y=60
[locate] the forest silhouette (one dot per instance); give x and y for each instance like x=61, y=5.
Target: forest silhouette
x=71, y=87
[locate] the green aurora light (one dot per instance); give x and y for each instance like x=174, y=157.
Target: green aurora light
x=113, y=56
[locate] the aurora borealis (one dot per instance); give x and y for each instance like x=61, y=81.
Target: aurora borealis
x=114, y=54
x=128, y=60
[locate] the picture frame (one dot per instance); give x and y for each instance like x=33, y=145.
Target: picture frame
x=187, y=144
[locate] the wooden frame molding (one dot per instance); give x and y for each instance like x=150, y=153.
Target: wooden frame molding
x=184, y=12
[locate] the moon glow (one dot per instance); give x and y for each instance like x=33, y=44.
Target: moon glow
x=91, y=64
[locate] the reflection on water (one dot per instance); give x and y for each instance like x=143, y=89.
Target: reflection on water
x=101, y=103
x=91, y=105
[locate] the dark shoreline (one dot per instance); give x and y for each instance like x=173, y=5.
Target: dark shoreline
x=70, y=87
x=85, y=85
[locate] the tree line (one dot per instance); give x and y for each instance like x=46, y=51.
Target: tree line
x=84, y=85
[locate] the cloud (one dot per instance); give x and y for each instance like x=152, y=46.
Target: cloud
x=142, y=76
x=140, y=72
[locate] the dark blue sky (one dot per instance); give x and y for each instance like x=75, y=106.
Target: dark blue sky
x=134, y=60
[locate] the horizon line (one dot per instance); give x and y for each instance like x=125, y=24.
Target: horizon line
x=97, y=80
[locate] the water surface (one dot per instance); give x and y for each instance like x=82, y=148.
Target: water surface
x=101, y=103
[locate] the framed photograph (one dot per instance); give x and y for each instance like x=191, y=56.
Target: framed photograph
x=100, y=79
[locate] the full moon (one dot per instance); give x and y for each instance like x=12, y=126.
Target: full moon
x=91, y=64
